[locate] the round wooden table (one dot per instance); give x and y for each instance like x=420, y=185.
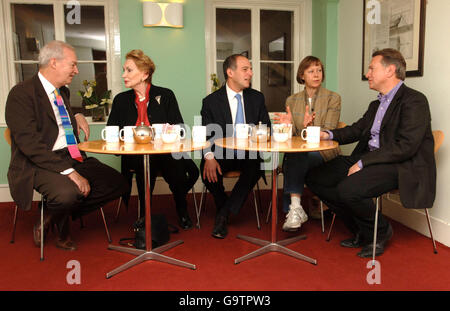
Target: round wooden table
x=295, y=144
x=155, y=147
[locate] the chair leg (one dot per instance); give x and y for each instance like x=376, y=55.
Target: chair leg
x=194, y=195
x=431, y=231
x=268, y=212
x=42, y=228
x=199, y=211
x=375, y=230
x=108, y=236
x=331, y=228
x=256, y=210
x=118, y=209
x=13, y=234
x=259, y=195
x=321, y=216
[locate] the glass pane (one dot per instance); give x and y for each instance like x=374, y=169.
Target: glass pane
x=25, y=71
x=233, y=32
x=85, y=30
x=89, y=72
x=33, y=26
x=219, y=72
x=276, y=35
x=276, y=85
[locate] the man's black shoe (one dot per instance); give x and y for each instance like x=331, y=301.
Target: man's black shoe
x=185, y=222
x=220, y=230
x=354, y=242
x=367, y=250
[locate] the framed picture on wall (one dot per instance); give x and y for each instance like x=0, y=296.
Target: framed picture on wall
x=398, y=24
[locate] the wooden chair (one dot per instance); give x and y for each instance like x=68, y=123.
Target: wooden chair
x=438, y=139
x=7, y=135
x=230, y=174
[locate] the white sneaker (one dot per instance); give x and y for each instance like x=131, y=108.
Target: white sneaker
x=295, y=218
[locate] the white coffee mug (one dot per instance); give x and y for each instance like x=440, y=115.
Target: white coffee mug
x=158, y=127
x=312, y=134
x=110, y=134
x=199, y=134
x=126, y=134
x=242, y=130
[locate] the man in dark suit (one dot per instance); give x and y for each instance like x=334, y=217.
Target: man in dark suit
x=394, y=151
x=232, y=104
x=44, y=154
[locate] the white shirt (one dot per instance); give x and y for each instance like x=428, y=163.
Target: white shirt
x=232, y=100
x=61, y=141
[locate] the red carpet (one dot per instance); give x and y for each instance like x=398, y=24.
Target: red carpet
x=408, y=264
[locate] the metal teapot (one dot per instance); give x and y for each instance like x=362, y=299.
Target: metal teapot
x=260, y=133
x=143, y=134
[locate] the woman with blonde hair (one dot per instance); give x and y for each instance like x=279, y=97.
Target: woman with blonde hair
x=150, y=104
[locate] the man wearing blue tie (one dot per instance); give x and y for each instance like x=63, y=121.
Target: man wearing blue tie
x=234, y=103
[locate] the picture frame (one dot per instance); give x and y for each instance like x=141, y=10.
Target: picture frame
x=398, y=24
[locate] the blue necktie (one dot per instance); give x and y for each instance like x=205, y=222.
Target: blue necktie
x=240, y=111
x=239, y=120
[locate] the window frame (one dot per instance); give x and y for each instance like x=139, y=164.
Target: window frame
x=112, y=32
x=302, y=30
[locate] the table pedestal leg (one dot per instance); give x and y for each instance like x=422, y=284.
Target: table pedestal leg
x=143, y=255
x=148, y=253
x=273, y=246
x=268, y=247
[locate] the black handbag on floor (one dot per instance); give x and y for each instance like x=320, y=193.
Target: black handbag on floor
x=161, y=230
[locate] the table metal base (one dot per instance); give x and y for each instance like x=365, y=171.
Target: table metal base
x=143, y=255
x=268, y=246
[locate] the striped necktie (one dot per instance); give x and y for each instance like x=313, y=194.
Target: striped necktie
x=68, y=130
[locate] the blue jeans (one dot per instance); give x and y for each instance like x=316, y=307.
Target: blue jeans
x=295, y=168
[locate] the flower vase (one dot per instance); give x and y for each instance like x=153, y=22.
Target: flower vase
x=98, y=114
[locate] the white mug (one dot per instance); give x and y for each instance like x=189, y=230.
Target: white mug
x=312, y=134
x=199, y=134
x=158, y=127
x=126, y=134
x=110, y=134
x=242, y=130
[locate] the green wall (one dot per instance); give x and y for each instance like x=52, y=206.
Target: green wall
x=325, y=38
x=179, y=55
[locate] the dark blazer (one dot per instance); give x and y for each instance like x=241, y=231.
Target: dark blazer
x=124, y=111
x=162, y=108
x=30, y=117
x=216, y=110
x=406, y=140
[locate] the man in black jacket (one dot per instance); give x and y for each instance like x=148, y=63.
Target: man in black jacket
x=394, y=151
x=232, y=104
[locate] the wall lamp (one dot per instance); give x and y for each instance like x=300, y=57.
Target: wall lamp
x=162, y=14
